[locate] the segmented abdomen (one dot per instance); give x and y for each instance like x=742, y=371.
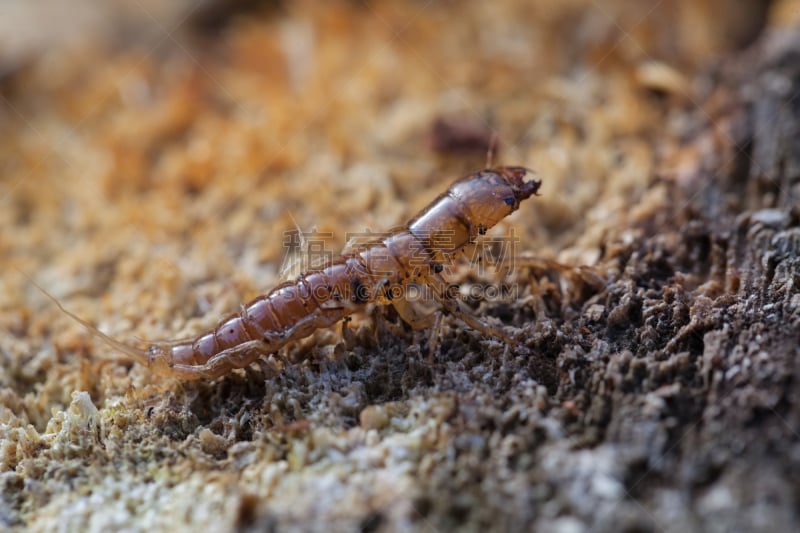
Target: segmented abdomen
x=290, y=311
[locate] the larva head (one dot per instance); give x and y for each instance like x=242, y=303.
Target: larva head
x=471, y=206
x=491, y=195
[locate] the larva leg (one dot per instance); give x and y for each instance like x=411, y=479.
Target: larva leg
x=411, y=315
x=246, y=353
x=433, y=340
x=348, y=336
x=431, y=321
x=236, y=357
x=453, y=307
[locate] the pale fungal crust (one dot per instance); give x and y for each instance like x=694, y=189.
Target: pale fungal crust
x=149, y=184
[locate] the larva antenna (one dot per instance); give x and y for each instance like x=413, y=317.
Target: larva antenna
x=490, y=150
x=137, y=354
x=293, y=259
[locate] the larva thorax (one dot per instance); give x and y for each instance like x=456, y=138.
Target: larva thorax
x=415, y=252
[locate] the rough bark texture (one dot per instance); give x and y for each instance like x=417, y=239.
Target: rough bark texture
x=658, y=390
x=684, y=372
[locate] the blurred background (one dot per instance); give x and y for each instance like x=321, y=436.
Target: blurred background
x=220, y=118
x=153, y=156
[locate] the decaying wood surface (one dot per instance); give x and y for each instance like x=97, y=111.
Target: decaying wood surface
x=683, y=371
x=660, y=392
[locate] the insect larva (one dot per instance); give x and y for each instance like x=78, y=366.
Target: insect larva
x=378, y=272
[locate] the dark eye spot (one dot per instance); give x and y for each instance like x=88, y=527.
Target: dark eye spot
x=437, y=268
x=509, y=200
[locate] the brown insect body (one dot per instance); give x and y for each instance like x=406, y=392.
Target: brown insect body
x=377, y=272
